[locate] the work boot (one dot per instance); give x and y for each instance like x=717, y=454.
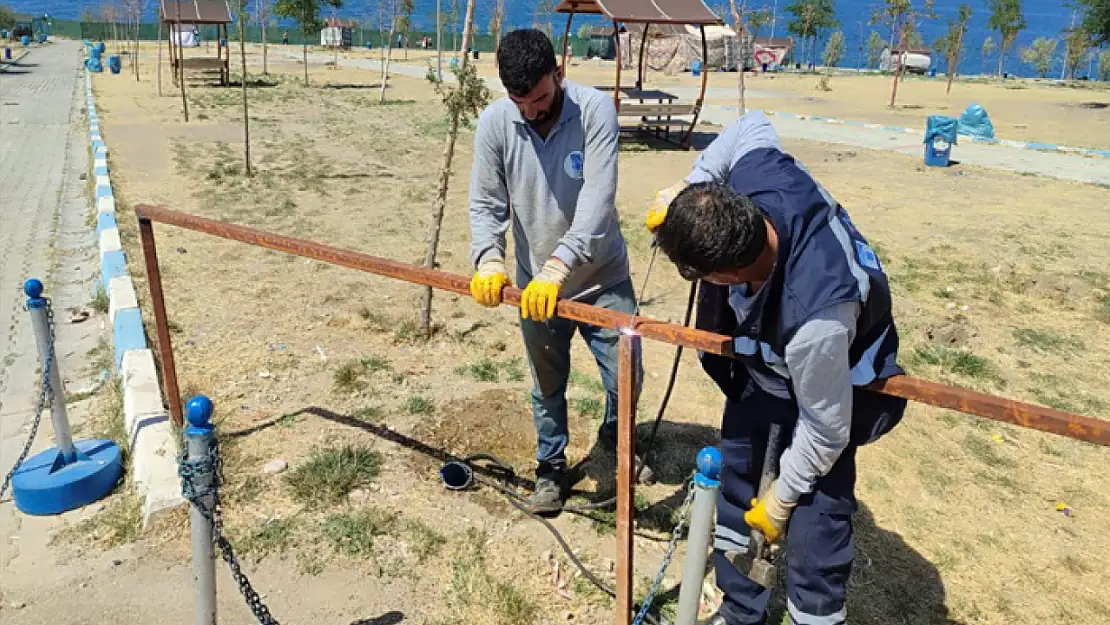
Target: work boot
x=607, y=444
x=550, y=492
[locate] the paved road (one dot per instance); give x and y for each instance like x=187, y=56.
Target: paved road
x=1053, y=165
x=44, y=235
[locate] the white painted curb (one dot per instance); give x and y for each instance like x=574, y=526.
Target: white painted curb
x=150, y=434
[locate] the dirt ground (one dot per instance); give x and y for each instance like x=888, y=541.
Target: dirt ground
x=999, y=282
x=1020, y=109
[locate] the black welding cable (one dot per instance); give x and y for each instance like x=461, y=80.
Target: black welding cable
x=658, y=415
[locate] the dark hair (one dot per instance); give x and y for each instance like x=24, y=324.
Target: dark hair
x=524, y=57
x=709, y=228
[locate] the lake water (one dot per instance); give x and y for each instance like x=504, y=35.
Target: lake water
x=1046, y=18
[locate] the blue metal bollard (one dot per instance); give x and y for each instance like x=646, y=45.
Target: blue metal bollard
x=706, y=486
x=199, y=439
x=68, y=475
x=695, y=68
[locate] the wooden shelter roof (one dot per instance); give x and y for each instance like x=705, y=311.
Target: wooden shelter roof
x=644, y=11
x=194, y=11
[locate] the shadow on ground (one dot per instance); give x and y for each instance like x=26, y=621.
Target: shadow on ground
x=389, y=618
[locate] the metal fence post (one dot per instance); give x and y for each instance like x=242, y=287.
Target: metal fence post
x=198, y=474
x=706, y=488
x=42, y=320
x=68, y=475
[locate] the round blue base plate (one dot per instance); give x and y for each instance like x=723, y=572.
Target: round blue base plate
x=44, y=484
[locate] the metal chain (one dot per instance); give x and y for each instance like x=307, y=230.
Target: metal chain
x=188, y=470
x=675, y=535
x=45, y=392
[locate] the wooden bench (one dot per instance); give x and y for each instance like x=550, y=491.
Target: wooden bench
x=659, y=109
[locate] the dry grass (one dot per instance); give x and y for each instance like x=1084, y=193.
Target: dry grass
x=998, y=285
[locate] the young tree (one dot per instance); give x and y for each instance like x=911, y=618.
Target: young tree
x=1075, y=46
x=952, y=44
x=262, y=14
x=242, y=20
x=388, y=8
x=903, y=16
x=464, y=102
x=738, y=23
x=7, y=17
x=405, y=23
x=455, y=26
x=834, y=50
x=541, y=16
x=810, y=18
x=1039, y=54
x=1104, y=65
x=307, y=14
x=756, y=19
x=1008, y=19
x=875, y=45
x=988, y=48
x=496, y=22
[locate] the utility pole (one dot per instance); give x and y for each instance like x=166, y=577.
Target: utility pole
x=859, y=55
x=439, y=42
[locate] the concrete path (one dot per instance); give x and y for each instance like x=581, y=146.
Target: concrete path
x=45, y=235
x=1052, y=165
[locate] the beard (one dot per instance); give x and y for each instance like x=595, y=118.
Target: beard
x=551, y=113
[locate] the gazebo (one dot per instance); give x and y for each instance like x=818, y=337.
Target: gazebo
x=192, y=13
x=653, y=108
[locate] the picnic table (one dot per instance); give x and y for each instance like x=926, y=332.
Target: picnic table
x=654, y=112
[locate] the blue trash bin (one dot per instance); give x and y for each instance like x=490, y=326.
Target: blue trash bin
x=114, y=64
x=7, y=54
x=100, y=47
x=695, y=68
x=25, y=40
x=940, y=136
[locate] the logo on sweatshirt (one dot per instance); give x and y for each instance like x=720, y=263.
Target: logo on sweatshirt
x=573, y=165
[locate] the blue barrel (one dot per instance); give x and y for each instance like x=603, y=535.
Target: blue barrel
x=7, y=54
x=100, y=47
x=42, y=38
x=940, y=136
x=114, y=63
x=25, y=40
x=695, y=68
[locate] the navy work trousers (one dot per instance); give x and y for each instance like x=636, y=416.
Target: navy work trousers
x=818, y=549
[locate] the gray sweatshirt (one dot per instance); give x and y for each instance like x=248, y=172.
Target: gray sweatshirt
x=817, y=356
x=559, y=193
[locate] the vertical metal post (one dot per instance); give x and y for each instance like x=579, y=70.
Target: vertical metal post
x=198, y=440
x=43, y=323
x=627, y=357
x=439, y=42
x=165, y=347
x=706, y=488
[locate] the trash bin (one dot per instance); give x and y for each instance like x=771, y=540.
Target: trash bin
x=475, y=55
x=114, y=64
x=100, y=47
x=42, y=38
x=25, y=40
x=695, y=68
x=7, y=54
x=940, y=136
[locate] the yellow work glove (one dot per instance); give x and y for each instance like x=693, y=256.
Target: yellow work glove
x=657, y=212
x=537, y=302
x=488, y=281
x=769, y=515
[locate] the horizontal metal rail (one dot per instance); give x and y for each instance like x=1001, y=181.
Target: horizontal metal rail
x=914, y=389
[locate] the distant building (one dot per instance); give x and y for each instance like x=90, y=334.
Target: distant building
x=337, y=33
x=916, y=60
x=771, y=50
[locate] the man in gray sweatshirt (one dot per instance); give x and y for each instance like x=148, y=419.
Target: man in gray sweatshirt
x=545, y=160
x=785, y=272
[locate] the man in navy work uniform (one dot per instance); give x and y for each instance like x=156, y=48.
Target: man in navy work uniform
x=786, y=273
x=545, y=160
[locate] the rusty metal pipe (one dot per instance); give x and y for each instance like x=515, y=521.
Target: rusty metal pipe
x=162, y=328
x=627, y=353
x=952, y=398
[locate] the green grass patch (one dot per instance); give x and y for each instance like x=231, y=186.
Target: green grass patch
x=423, y=540
x=586, y=382
x=350, y=377
x=1045, y=341
x=473, y=585
x=119, y=523
x=328, y=475
x=352, y=533
x=588, y=406
x=987, y=451
x=274, y=537
x=100, y=302
x=369, y=414
x=959, y=361
x=418, y=404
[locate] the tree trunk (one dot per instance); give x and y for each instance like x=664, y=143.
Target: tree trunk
x=444, y=182
x=304, y=53
x=136, y=50
x=181, y=66
x=954, y=62
x=898, y=70
x=1001, y=58
x=159, y=58
x=388, y=60
x=738, y=20
x=265, y=48
x=246, y=113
